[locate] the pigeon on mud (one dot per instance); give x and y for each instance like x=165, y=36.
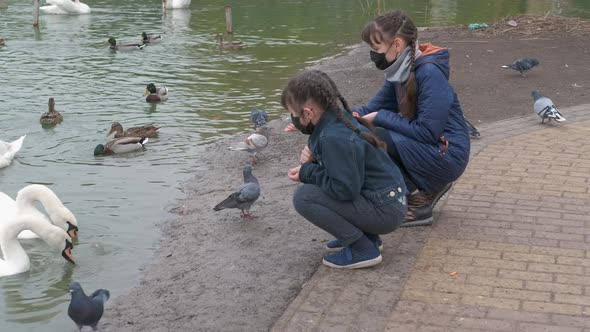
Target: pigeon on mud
x=545, y=108
x=254, y=143
x=522, y=65
x=86, y=310
x=244, y=197
x=258, y=117
x=473, y=132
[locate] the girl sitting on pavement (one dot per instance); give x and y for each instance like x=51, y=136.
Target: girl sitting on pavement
x=351, y=188
x=417, y=112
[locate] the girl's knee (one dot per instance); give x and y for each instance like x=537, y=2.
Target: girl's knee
x=303, y=197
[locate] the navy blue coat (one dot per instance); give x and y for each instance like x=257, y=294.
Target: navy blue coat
x=438, y=114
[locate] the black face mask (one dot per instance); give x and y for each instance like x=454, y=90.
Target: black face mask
x=307, y=129
x=380, y=61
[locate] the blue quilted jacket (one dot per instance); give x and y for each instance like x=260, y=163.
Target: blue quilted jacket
x=438, y=115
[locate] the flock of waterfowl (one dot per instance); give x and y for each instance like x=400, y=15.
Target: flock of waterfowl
x=58, y=226
x=75, y=7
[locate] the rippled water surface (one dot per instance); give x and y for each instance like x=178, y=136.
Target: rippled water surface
x=118, y=200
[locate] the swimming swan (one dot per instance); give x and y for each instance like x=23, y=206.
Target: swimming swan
x=65, y=7
x=172, y=4
x=16, y=259
x=9, y=150
x=59, y=215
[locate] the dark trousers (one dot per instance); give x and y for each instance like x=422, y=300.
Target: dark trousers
x=348, y=220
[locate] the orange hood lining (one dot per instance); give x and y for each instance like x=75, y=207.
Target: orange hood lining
x=428, y=48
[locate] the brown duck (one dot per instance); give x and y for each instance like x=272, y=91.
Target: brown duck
x=143, y=131
x=231, y=45
x=51, y=117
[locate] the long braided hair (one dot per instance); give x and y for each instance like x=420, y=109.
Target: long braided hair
x=384, y=29
x=318, y=86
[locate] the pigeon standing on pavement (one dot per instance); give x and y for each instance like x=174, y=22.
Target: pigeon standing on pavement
x=545, y=108
x=244, y=197
x=522, y=65
x=254, y=143
x=86, y=310
x=258, y=117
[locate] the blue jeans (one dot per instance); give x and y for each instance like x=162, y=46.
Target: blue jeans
x=348, y=220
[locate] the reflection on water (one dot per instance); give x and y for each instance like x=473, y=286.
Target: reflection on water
x=118, y=200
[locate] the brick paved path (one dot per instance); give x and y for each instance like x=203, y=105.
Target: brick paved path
x=510, y=249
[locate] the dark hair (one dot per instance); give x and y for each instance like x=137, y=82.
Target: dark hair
x=386, y=28
x=318, y=86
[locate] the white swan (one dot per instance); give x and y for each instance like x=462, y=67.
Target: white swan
x=16, y=259
x=59, y=215
x=9, y=150
x=65, y=7
x=172, y=4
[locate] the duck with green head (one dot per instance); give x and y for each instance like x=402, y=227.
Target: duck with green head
x=51, y=117
x=124, y=47
x=154, y=94
x=150, y=38
x=143, y=131
x=121, y=145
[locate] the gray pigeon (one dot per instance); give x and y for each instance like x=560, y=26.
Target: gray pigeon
x=545, y=108
x=86, y=310
x=254, y=143
x=522, y=65
x=244, y=197
x=258, y=117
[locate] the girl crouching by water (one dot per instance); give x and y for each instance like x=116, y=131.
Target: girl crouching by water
x=351, y=188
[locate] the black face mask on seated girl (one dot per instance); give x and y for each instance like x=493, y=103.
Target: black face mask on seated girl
x=380, y=61
x=307, y=129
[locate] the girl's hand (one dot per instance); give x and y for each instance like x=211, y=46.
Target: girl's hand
x=306, y=156
x=294, y=174
x=356, y=114
x=370, y=117
x=290, y=128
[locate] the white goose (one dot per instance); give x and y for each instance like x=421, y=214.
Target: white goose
x=16, y=259
x=65, y=7
x=174, y=4
x=9, y=150
x=59, y=215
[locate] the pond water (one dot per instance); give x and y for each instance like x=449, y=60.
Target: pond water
x=119, y=200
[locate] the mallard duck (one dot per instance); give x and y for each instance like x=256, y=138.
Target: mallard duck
x=143, y=131
x=124, y=47
x=150, y=38
x=2, y=42
x=51, y=117
x=172, y=4
x=154, y=94
x=232, y=45
x=121, y=145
